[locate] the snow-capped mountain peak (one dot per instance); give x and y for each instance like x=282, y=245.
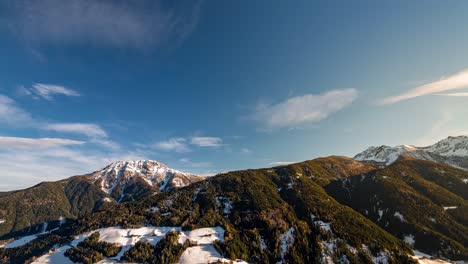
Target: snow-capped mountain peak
x=451, y=146
x=381, y=154
x=118, y=176
x=452, y=151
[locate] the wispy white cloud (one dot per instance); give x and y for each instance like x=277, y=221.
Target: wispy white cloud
x=245, y=150
x=90, y=130
x=453, y=82
x=181, y=144
x=122, y=24
x=302, y=109
x=173, y=144
x=36, y=143
x=10, y=112
x=455, y=94
x=47, y=91
x=206, y=141
x=95, y=133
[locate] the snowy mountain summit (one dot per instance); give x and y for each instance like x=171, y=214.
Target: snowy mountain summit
x=451, y=146
x=452, y=151
x=124, y=179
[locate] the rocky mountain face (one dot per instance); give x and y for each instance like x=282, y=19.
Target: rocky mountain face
x=452, y=151
x=41, y=207
x=129, y=180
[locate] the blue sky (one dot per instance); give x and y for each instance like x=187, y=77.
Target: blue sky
x=213, y=86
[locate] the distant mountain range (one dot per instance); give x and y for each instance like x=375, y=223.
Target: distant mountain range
x=452, y=151
x=375, y=208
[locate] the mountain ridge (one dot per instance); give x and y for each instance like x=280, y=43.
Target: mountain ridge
x=336, y=205
x=25, y=211
x=280, y=214
x=452, y=151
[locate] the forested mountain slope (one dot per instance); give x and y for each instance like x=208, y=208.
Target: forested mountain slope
x=44, y=206
x=421, y=202
x=271, y=215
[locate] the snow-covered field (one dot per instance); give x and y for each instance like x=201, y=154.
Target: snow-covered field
x=203, y=253
x=55, y=256
x=20, y=241
x=26, y=239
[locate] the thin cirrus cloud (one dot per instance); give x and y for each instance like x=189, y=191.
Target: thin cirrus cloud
x=455, y=94
x=103, y=23
x=181, y=145
x=303, y=109
x=206, y=141
x=173, y=144
x=453, y=82
x=47, y=91
x=36, y=143
x=90, y=130
x=94, y=132
x=11, y=113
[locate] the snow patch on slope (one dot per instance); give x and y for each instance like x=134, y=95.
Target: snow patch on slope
x=399, y=216
x=55, y=255
x=225, y=204
x=409, y=239
x=450, y=207
x=26, y=239
x=20, y=241
x=286, y=241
